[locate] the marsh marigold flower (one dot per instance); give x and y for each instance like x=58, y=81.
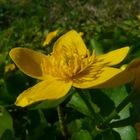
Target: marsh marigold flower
x=50, y=36
x=9, y=68
x=138, y=17
x=69, y=64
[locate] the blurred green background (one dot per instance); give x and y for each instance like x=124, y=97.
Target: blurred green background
x=106, y=24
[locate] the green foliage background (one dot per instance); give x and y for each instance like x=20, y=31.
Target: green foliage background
x=106, y=25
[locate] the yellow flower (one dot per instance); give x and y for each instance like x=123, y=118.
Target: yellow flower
x=9, y=68
x=70, y=64
x=50, y=36
x=138, y=17
x=130, y=73
x=123, y=67
x=81, y=33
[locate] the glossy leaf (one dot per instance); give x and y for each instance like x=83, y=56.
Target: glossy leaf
x=117, y=95
x=81, y=135
x=77, y=103
x=6, y=122
x=126, y=133
x=108, y=135
x=94, y=44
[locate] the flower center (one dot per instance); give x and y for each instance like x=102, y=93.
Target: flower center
x=66, y=65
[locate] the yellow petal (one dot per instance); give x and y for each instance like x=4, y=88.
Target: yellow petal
x=120, y=79
x=130, y=73
x=50, y=89
x=98, y=81
x=28, y=61
x=50, y=36
x=71, y=42
x=113, y=57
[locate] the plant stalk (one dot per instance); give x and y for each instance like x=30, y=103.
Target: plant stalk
x=61, y=122
x=96, y=116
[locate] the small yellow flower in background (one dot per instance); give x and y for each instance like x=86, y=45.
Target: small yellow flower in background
x=138, y=17
x=70, y=64
x=9, y=68
x=123, y=67
x=81, y=33
x=50, y=36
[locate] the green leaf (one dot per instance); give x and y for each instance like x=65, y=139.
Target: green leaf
x=105, y=104
x=126, y=133
x=81, y=135
x=2, y=58
x=6, y=121
x=74, y=126
x=95, y=45
x=108, y=135
x=85, y=123
x=77, y=103
x=117, y=95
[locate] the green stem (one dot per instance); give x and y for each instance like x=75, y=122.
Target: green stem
x=121, y=123
x=115, y=112
x=128, y=99
x=61, y=122
x=88, y=103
